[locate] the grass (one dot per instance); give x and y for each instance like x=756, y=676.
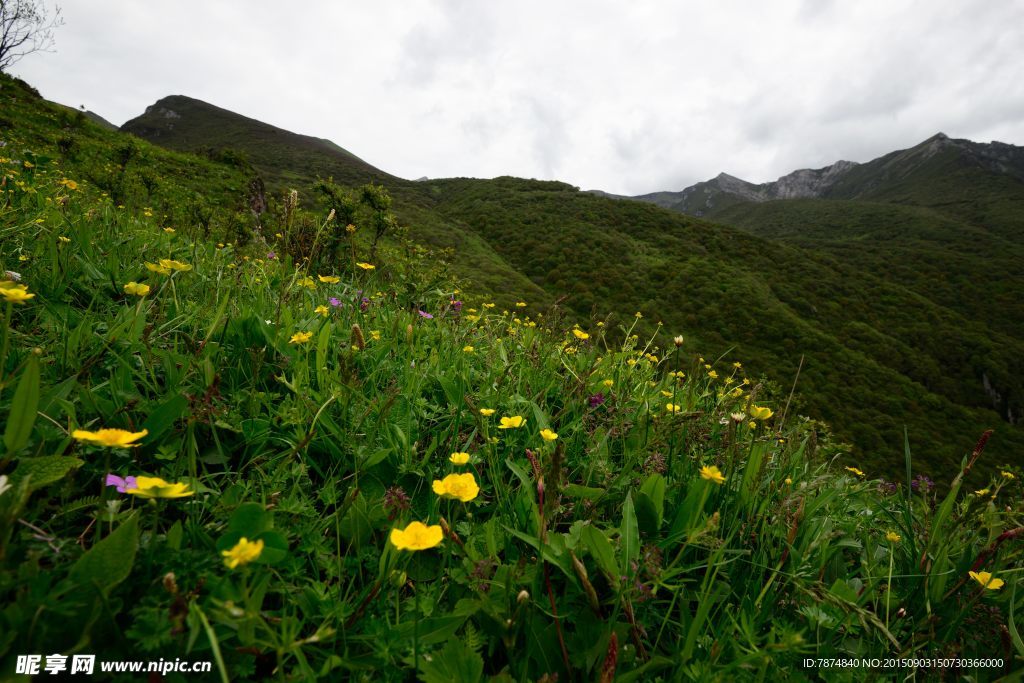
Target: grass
x=665, y=534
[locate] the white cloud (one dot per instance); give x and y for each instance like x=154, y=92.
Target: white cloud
x=625, y=97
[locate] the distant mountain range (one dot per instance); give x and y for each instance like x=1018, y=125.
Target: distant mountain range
x=897, y=281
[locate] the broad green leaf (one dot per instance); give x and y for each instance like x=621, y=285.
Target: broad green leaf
x=109, y=562
x=164, y=416
x=44, y=470
x=455, y=662
x=601, y=550
x=629, y=533
x=23, y=407
x=585, y=492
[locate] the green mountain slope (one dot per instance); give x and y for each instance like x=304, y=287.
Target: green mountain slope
x=880, y=352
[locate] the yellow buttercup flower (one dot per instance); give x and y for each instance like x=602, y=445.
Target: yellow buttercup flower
x=112, y=438
x=243, y=552
x=981, y=492
x=460, y=486
x=158, y=269
x=14, y=293
x=416, y=536
x=306, y=282
x=548, y=435
x=987, y=580
x=513, y=422
x=459, y=458
x=672, y=408
x=760, y=412
x=712, y=473
x=300, y=337
x=329, y=279
x=366, y=266
x=155, y=487
x=136, y=289
x=169, y=231
x=174, y=265
x=487, y=412
x=1007, y=475
x=893, y=537
x=608, y=383
x=321, y=310
x=580, y=334
x=854, y=470
x=713, y=375
x=468, y=349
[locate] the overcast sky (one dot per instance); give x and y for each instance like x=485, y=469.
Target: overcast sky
x=628, y=97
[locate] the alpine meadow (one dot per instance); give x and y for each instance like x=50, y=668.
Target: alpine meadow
x=268, y=407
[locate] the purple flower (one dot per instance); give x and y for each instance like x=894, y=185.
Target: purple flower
x=922, y=483
x=596, y=400
x=424, y=314
x=456, y=306
x=122, y=484
x=334, y=301
x=271, y=255
x=364, y=304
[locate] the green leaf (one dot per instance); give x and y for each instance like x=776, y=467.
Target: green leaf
x=109, y=562
x=455, y=662
x=585, y=492
x=601, y=550
x=629, y=533
x=43, y=470
x=250, y=519
x=164, y=416
x=650, y=504
x=23, y=407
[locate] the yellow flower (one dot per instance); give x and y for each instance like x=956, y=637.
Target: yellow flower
x=114, y=438
x=468, y=349
x=63, y=239
x=329, y=279
x=672, y=408
x=174, y=265
x=712, y=473
x=169, y=231
x=893, y=537
x=366, y=266
x=155, y=487
x=459, y=458
x=243, y=552
x=321, y=310
x=70, y=184
x=678, y=340
x=136, y=289
x=789, y=481
x=1008, y=475
x=300, y=337
x=461, y=486
x=608, y=383
x=986, y=579
x=854, y=470
x=666, y=394
x=158, y=269
x=14, y=293
x=713, y=375
x=548, y=435
x=638, y=314
x=416, y=536
x=487, y=412
x=488, y=305
x=520, y=304
x=513, y=422
x=306, y=282
x=981, y=492
x=580, y=334
x=760, y=412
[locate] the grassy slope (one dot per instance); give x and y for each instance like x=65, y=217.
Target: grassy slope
x=862, y=331
x=319, y=449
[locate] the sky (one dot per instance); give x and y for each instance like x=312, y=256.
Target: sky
x=626, y=97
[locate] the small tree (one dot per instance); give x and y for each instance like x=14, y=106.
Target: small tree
x=25, y=27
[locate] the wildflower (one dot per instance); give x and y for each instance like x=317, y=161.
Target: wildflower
x=638, y=314
x=487, y=412
x=375, y=335
x=760, y=412
x=334, y=301
x=158, y=269
x=713, y=375
x=608, y=383
x=1007, y=475
x=987, y=580
x=981, y=492
x=789, y=481
x=416, y=536
x=520, y=304
x=461, y=486
x=459, y=458
x=548, y=435
x=321, y=310
x=488, y=305
x=329, y=279
x=513, y=422
x=271, y=255
x=155, y=487
x=63, y=240
x=243, y=552
x=350, y=228
x=678, y=340
x=366, y=266
x=169, y=231
x=424, y=314
x=468, y=349
x=122, y=485
x=70, y=184
x=112, y=438
x=136, y=289
x=737, y=417
x=893, y=537
x=306, y=281
x=854, y=470
x=14, y=293
x=672, y=408
x=300, y=337
x=712, y=473
x=174, y=265
x=580, y=334
x=596, y=399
